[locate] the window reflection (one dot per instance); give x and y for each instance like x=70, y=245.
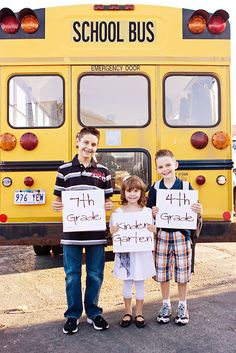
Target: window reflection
x=191, y=100
x=109, y=100
x=36, y=101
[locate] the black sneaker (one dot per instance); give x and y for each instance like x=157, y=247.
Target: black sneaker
x=182, y=316
x=71, y=326
x=98, y=323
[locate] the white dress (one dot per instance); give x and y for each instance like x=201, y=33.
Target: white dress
x=135, y=266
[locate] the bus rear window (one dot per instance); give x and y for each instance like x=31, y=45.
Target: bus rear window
x=36, y=101
x=114, y=100
x=122, y=164
x=191, y=100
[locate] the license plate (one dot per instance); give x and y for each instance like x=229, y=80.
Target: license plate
x=29, y=197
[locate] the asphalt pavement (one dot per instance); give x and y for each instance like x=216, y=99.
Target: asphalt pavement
x=33, y=302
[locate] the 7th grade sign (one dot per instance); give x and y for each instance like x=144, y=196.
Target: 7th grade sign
x=83, y=210
x=133, y=234
x=175, y=209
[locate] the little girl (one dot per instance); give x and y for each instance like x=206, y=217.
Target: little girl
x=133, y=267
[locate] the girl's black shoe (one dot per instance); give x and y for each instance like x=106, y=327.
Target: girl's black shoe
x=139, y=323
x=126, y=323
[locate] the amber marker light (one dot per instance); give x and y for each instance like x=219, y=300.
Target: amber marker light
x=198, y=21
x=200, y=180
x=3, y=218
x=7, y=141
x=28, y=21
x=199, y=139
x=28, y=181
x=220, y=140
x=29, y=141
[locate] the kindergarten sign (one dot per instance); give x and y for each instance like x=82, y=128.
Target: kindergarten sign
x=175, y=209
x=83, y=210
x=133, y=234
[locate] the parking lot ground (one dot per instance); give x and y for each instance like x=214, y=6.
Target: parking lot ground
x=33, y=302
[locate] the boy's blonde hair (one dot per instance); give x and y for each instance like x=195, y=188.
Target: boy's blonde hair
x=164, y=153
x=130, y=183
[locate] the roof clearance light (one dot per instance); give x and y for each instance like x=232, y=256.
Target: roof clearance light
x=8, y=21
x=217, y=22
x=197, y=22
x=113, y=7
x=28, y=21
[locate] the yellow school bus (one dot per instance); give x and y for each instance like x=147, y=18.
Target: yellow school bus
x=148, y=77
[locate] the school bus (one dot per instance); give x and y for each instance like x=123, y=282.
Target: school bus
x=148, y=77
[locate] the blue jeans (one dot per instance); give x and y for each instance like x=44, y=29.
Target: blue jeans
x=95, y=260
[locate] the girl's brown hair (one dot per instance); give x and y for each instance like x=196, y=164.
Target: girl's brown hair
x=131, y=183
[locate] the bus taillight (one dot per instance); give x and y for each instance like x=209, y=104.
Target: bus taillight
x=198, y=21
x=7, y=141
x=8, y=21
x=28, y=21
x=220, y=140
x=227, y=215
x=28, y=181
x=200, y=180
x=29, y=141
x=3, y=218
x=199, y=139
x=217, y=22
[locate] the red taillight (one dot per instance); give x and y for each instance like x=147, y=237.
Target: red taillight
x=3, y=218
x=200, y=180
x=9, y=23
x=28, y=21
x=199, y=139
x=29, y=141
x=28, y=181
x=227, y=215
x=217, y=22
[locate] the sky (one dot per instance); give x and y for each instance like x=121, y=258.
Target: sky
x=208, y=5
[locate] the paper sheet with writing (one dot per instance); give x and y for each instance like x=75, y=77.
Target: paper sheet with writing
x=133, y=234
x=175, y=209
x=83, y=210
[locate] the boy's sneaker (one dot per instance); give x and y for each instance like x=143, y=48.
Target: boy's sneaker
x=71, y=326
x=98, y=323
x=182, y=317
x=164, y=314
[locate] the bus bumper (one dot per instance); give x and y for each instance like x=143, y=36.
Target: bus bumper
x=50, y=233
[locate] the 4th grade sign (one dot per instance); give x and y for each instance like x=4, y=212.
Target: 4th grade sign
x=83, y=210
x=133, y=234
x=175, y=209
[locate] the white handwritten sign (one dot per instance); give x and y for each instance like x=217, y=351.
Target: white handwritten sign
x=175, y=209
x=133, y=234
x=83, y=210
